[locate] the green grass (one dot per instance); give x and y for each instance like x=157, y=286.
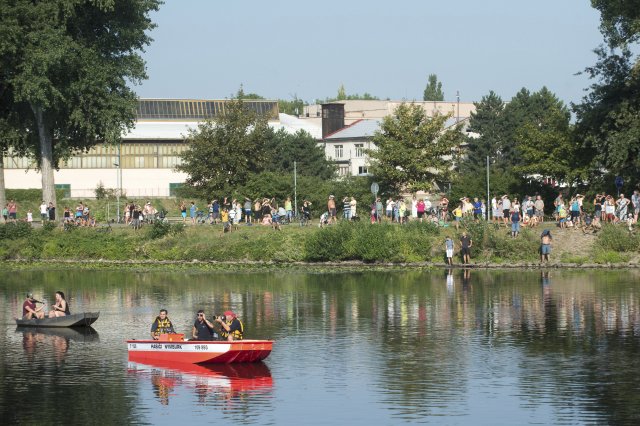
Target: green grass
x=385, y=243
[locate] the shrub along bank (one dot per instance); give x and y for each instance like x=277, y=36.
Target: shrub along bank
x=414, y=242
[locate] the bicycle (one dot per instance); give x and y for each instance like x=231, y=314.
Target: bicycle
x=305, y=218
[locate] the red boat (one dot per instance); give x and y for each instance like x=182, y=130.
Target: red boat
x=173, y=348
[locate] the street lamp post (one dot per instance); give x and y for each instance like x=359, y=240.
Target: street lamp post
x=118, y=181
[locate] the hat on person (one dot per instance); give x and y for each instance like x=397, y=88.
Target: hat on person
x=229, y=314
x=331, y=196
x=29, y=295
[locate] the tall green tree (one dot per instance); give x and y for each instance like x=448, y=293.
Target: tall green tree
x=547, y=145
x=486, y=122
x=413, y=151
x=433, y=91
x=608, y=118
x=283, y=149
x=225, y=151
x=69, y=63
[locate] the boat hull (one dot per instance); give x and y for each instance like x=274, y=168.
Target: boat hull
x=83, y=319
x=195, y=352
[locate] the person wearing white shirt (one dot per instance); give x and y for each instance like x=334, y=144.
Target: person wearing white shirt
x=43, y=211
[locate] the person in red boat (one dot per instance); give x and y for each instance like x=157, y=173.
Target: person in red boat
x=202, y=328
x=231, y=327
x=161, y=325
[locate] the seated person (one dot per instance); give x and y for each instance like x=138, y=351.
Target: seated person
x=61, y=308
x=203, y=328
x=29, y=310
x=266, y=220
x=231, y=327
x=161, y=325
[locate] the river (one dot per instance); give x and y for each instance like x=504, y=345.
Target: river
x=370, y=347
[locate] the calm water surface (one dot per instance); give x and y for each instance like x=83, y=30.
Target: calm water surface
x=470, y=347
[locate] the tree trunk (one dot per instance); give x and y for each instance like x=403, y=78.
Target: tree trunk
x=46, y=156
x=3, y=194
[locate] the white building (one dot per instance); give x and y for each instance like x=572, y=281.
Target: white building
x=143, y=165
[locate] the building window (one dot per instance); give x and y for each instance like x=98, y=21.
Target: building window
x=338, y=151
x=359, y=150
x=343, y=171
x=363, y=170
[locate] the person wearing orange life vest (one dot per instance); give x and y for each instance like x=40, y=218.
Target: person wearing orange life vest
x=161, y=325
x=231, y=327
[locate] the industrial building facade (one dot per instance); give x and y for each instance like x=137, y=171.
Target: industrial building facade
x=143, y=164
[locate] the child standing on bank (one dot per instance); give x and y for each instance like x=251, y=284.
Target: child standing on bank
x=29, y=217
x=448, y=245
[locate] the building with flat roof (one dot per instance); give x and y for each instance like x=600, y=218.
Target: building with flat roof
x=143, y=164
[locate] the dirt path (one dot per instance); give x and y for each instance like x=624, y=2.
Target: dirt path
x=572, y=241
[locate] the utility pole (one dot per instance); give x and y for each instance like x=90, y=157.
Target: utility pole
x=295, y=188
x=488, y=205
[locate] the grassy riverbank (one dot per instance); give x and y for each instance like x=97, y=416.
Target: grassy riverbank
x=415, y=243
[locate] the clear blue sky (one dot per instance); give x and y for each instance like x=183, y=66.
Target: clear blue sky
x=278, y=48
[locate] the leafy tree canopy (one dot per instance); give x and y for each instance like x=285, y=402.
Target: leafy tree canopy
x=65, y=68
x=486, y=122
x=226, y=150
x=433, y=91
x=619, y=20
x=284, y=149
x=413, y=150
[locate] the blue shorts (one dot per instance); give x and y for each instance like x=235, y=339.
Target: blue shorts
x=515, y=227
x=184, y=214
x=545, y=249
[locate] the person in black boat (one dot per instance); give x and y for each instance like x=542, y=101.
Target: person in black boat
x=29, y=310
x=61, y=308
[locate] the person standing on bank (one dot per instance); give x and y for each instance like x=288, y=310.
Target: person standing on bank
x=232, y=327
x=466, y=243
x=545, y=246
x=448, y=245
x=202, y=328
x=161, y=325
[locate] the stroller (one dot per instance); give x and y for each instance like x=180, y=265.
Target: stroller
x=324, y=220
x=200, y=217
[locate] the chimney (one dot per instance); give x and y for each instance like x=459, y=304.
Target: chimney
x=332, y=118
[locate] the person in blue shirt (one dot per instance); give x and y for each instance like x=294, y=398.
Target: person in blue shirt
x=192, y=212
x=515, y=222
x=477, y=209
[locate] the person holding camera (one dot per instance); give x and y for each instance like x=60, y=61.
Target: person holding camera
x=231, y=327
x=203, y=329
x=161, y=325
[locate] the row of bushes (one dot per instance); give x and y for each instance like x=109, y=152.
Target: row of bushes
x=414, y=242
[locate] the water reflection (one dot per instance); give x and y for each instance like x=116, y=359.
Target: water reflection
x=223, y=385
x=53, y=341
x=557, y=346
